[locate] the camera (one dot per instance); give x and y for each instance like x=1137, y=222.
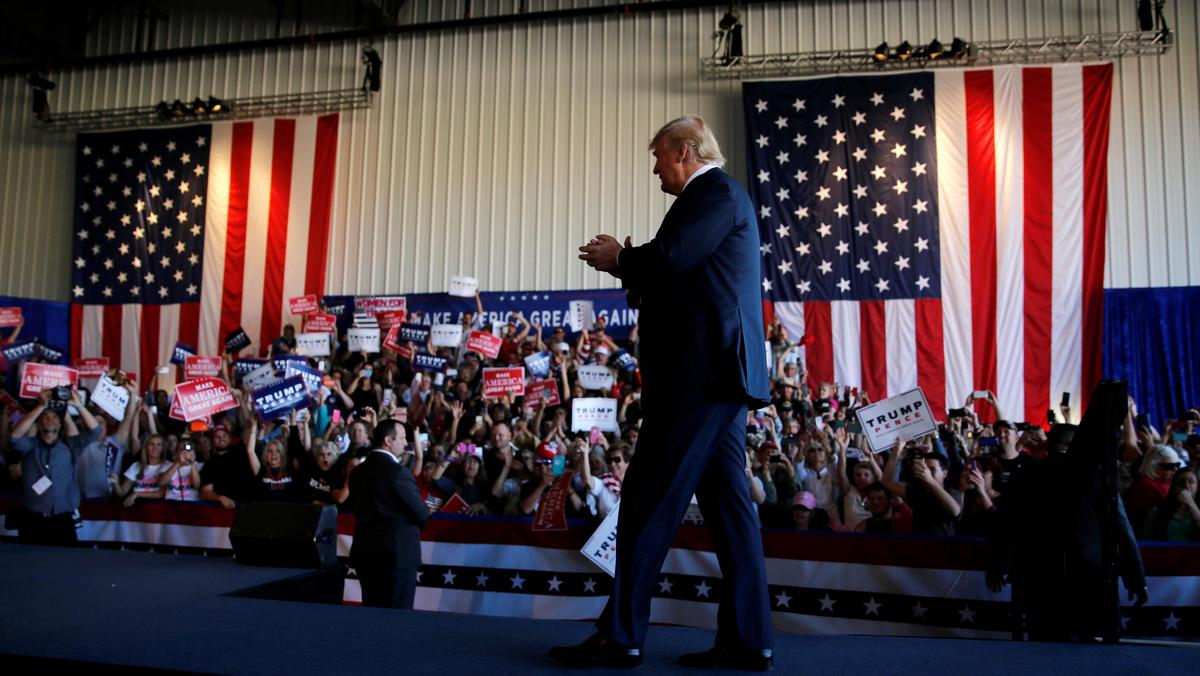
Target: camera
x=62, y=393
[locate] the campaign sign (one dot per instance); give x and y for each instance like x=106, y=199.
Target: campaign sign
x=540, y=393
x=204, y=397
x=389, y=318
x=417, y=333
x=37, y=377
x=601, y=548
x=373, y=304
x=319, y=322
x=391, y=340
x=242, y=367
x=446, y=335
x=363, y=340
x=312, y=344
x=24, y=349
x=91, y=367
x=110, y=397
x=595, y=377
x=466, y=287
x=302, y=305
x=589, y=412
x=484, y=343
x=49, y=353
x=501, y=381
x=10, y=316
x=623, y=360
x=581, y=315
x=260, y=377
x=429, y=362
x=181, y=352
x=176, y=412
x=312, y=377
x=281, y=361
x=195, y=367
x=538, y=364
x=237, y=340
x=277, y=400
x=904, y=415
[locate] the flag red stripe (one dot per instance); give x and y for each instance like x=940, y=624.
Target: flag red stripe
x=277, y=227
x=324, y=161
x=235, y=229
x=872, y=327
x=76, y=346
x=1037, y=102
x=818, y=324
x=151, y=318
x=189, y=324
x=1097, y=105
x=981, y=186
x=931, y=355
x=110, y=340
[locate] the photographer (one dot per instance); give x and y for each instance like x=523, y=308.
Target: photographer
x=181, y=480
x=50, y=492
x=935, y=509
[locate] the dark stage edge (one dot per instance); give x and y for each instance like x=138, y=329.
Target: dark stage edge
x=101, y=611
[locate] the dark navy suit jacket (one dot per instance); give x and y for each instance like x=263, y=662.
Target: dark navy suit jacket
x=388, y=513
x=697, y=286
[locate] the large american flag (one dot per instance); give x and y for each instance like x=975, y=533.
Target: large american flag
x=938, y=229
x=186, y=233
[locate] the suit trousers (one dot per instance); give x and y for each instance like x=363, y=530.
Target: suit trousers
x=690, y=446
x=386, y=586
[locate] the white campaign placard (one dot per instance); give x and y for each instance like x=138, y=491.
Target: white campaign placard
x=589, y=412
x=260, y=377
x=595, y=377
x=465, y=287
x=313, y=344
x=110, y=397
x=601, y=548
x=363, y=339
x=445, y=335
x=581, y=314
x=906, y=415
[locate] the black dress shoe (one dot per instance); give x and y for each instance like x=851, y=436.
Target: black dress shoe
x=598, y=651
x=746, y=660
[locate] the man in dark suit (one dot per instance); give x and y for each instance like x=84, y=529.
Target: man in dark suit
x=388, y=516
x=702, y=366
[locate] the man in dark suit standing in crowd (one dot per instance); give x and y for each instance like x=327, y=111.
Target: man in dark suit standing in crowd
x=388, y=516
x=702, y=366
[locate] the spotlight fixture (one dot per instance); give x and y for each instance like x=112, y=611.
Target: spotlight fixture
x=163, y=110
x=728, y=36
x=371, y=59
x=934, y=50
x=199, y=107
x=41, y=98
x=958, y=49
x=216, y=105
x=881, y=53
x=178, y=109
x=904, y=52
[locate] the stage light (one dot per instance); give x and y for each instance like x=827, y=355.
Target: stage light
x=881, y=52
x=728, y=36
x=904, y=51
x=958, y=49
x=199, y=107
x=1145, y=15
x=371, y=59
x=162, y=110
x=934, y=50
x=41, y=98
x=215, y=105
x=178, y=109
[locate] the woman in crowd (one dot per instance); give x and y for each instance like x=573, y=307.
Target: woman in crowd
x=1158, y=467
x=141, y=480
x=181, y=480
x=275, y=480
x=472, y=483
x=1176, y=519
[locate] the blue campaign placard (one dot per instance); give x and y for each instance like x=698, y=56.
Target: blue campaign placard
x=20, y=350
x=181, y=352
x=623, y=360
x=243, y=366
x=51, y=354
x=312, y=377
x=417, y=333
x=278, y=400
x=237, y=340
x=429, y=362
x=538, y=364
x=282, y=361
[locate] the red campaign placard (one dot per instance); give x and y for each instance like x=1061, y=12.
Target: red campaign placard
x=498, y=382
x=392, y=342
x=195, y=367
x=204, y=397
x=542, y=393
x=302, y=305
x=10, y=316
x=91, y=367
x=37, y=377
x=389, y=318
x=455, y=505
x=375, y=304
x=320, y=323
x=484, y=343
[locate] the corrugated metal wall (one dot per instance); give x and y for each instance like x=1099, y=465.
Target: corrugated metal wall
x=495, y=151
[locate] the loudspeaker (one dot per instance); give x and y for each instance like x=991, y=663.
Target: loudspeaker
x=285, y=535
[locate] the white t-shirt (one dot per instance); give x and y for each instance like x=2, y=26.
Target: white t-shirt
x=180, y=485
x=148, y=483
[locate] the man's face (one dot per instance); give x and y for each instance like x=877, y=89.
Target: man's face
x=501, y=435
x=325, y=457
x=877, y=503
x=936, y=470
x=49, y=424
x=358, y=434
x=801, y=518
x=668, y=165
x=220, y=440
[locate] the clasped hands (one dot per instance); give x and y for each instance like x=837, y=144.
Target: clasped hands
x=602, y=251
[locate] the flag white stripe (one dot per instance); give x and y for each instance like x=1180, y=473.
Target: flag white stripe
x=131, y=332
x=299, y=211
x=257, y=212
x=215, y=222
x=847, y=342
x=1066, y=359
x=168, y=335
x=954, y=233
x=791, y=315
x=901, y=319
x=1010, y=242
x=93, y=331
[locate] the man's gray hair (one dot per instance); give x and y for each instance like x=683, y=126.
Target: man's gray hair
x=690, y=130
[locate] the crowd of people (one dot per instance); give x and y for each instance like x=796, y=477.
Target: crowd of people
x=808, y=464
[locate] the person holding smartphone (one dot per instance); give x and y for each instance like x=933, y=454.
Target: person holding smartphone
x=181, y=481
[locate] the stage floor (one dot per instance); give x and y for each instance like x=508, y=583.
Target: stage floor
x=174, y=612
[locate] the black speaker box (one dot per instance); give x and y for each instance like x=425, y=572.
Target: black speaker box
x=285, y=535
